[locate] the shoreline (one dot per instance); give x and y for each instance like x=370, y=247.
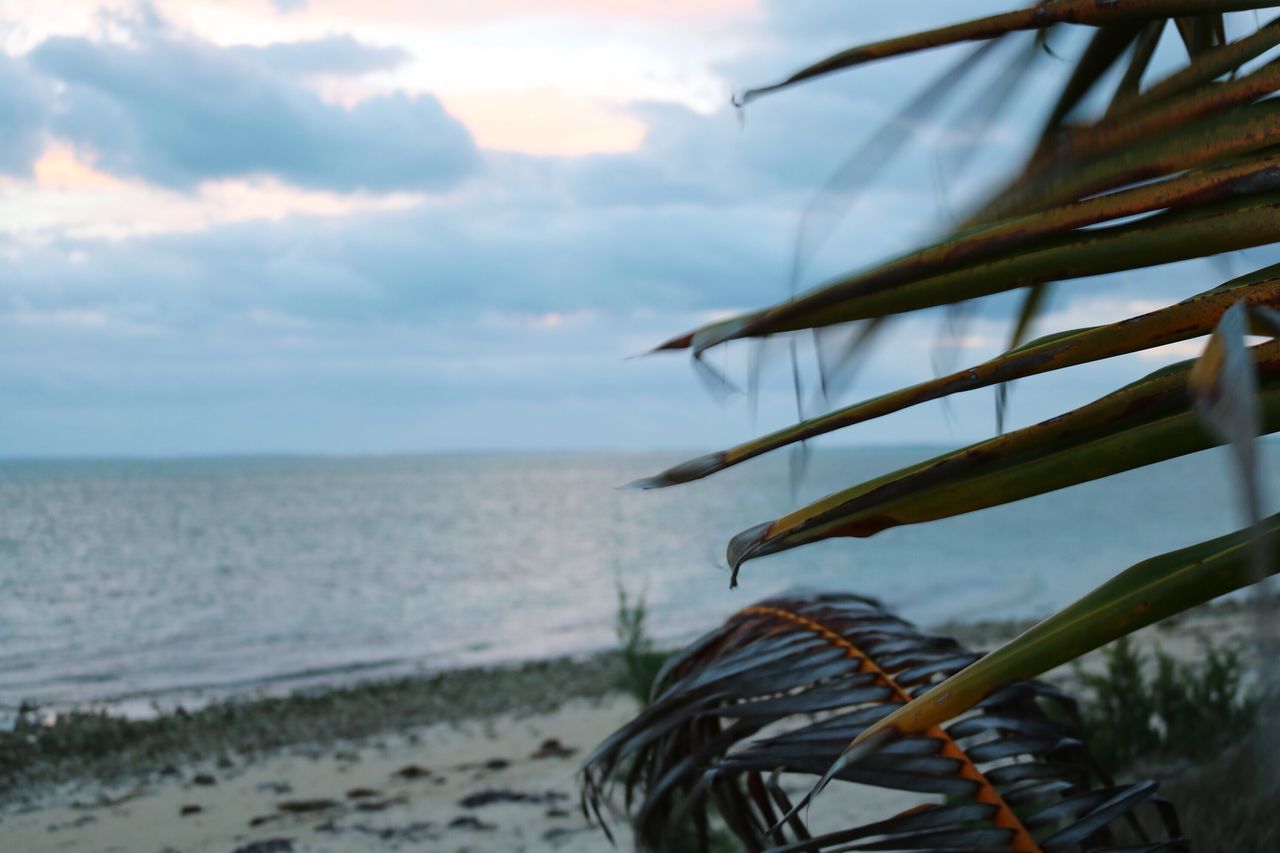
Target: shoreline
x=92, y=742
x=97, y=745
x=143, y=706
x=482, y=755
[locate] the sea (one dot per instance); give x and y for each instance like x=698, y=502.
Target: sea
x=136, y=585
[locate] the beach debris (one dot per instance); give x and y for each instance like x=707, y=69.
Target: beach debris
x=557, y=834
x=267, y=845
x=105, y=800
x=412, y=771
x=319, y=804
x=553, y=748
x=412, y=833
x=470, y=822
x=423, y=830
x=73, y=824
x=259, y=820
x=203, y=779
x=489, y=765
x=490, y=796
x=380, y=805
x=363, y=793
x=274, y=788
x=190, y=809
x=557, y=812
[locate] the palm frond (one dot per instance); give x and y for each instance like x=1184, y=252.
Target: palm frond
x=1139, y=596
x=1228, y=207
x=1187, y=319
x=1037, y=17
x=1148, y=421
x=1186, y=121
x=1184, y=167
x=783, y=685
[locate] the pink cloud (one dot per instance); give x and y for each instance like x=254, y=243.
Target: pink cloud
x=544, y=121
x=483, y=10
x=60, y=168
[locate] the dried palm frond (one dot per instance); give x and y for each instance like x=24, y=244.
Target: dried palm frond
x=779, y=690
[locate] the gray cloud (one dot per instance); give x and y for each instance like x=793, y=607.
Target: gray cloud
x=454, y=262
x=177, y=111
x=330, y=55
x=494, y=316
x=23, y=116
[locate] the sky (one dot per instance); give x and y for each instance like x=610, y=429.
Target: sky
x=369, y=226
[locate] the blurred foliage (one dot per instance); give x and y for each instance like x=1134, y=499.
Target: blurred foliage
x=1161, y=708
x=1134, y=163
x=641, y=662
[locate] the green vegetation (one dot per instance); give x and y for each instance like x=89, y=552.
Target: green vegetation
x=641, y=662
x=1228, y=805
x=1128, y=168
x=1142, y=712
x=782, y=685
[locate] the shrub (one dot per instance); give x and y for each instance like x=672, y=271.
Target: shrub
x=640, y=660
x=1165, y=709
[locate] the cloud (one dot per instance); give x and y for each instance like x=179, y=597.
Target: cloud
x=330, y=55
x=450, y=263
x=545, y=121
x=285, y=7
x=176, y=111
x=22, y=117
x=508, y=300
x=714, y=12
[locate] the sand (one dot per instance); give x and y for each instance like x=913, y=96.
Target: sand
x=487, y=782
x=506, y=783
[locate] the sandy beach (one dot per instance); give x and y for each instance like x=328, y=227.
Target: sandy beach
x=501, y=783
x=499, y=775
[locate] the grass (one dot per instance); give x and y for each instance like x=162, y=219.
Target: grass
x=1162, y=709
x=641, y=662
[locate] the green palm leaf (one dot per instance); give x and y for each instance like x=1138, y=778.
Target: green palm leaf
x=1183, y=168
x=1139, y=596
x=1188, y=319
x=1038, y=17
x=1227, y=207
x=1146, y=422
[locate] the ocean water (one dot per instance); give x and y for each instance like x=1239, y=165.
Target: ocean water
x=132, y=583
